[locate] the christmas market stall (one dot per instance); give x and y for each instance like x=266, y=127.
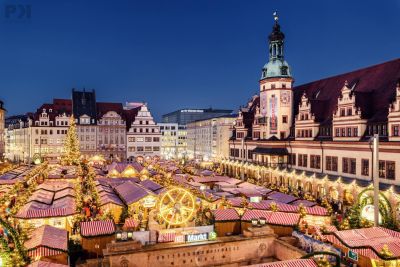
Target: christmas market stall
x=48, y=243
x=137, y=198
x=95, y=235
x=281, y=222
x=369, y=247
x=289, y=263
x=109, y=201
x=53, y=203
x=226, y=222
x=46, y=264
x=64, y=173
x=127, y=170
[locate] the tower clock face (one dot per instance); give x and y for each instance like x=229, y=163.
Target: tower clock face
x=285, y=97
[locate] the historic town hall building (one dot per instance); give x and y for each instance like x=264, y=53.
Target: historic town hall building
x=320, y=131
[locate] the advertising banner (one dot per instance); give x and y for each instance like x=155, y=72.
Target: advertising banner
x=273, y=119
x=263, y=103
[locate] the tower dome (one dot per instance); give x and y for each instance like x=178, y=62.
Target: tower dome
x=276, y=66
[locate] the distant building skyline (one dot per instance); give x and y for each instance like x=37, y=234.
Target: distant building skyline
x=200, y=53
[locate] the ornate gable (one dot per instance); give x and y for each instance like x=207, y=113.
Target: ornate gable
x=305, y=126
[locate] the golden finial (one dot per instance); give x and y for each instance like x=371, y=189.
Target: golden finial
x=275, y=14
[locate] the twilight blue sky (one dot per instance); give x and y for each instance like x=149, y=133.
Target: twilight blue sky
x=176, y=54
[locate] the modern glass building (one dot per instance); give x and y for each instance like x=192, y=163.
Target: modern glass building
x=185, y=116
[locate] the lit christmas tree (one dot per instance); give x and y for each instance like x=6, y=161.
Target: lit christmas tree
x=71, y=145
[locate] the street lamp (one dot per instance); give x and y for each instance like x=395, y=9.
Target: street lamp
x=375, y=176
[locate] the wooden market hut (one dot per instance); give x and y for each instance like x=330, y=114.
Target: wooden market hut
x=134, y=194
x=226, y=222
x=95, y=236
x=48, y=243
x=53, y=203
x=109, y=201
x=368, y=244
x=282, y=223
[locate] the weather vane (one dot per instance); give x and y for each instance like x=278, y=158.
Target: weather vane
x=275, y=14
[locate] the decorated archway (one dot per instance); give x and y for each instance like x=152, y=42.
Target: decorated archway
x=366, y=203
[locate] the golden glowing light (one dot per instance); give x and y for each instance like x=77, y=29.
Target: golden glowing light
x=177, y=206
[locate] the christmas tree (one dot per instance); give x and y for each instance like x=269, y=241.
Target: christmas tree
x=71, y=145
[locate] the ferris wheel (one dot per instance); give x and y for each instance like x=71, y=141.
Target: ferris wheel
x=177, y=206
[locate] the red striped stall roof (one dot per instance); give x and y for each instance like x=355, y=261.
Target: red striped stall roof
x=317, y=210
x=48, y=236
x=226, y=215
x=289, y=263
x=373, y=238
x=43, y=252
x=130, y=223
x=277, y=218
x=255, y=214
x=46, y=264
x=281, y=218
x=367, y=252
x=97, y=228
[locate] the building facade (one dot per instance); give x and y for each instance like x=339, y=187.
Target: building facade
x=2, y=132
x=143, y=135
x=173, y=140
x=17, y=138
x=102, y=129
x=324, y=127
x=185, y=116
x=38, y=135
x=208, y=139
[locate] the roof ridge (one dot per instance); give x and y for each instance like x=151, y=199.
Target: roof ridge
x=348, y=72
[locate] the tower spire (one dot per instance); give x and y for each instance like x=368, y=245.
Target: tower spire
x=276, y=66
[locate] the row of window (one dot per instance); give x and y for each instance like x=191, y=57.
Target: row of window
x=167, y=127
x=304, y=133
x=349, y=165
x=112, y=130
x=146, y=130
x=111, y=140
x=44, y=132
x=49, y=141
x=346, y=112
x=143, y=139
x=143, y=149
x=348, y=131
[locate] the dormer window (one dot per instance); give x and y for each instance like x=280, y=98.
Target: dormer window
x=50, y=110
x=284, y=70
x=349, y=111
x=342, y=112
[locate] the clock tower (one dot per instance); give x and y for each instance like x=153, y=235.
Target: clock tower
x=276, y=95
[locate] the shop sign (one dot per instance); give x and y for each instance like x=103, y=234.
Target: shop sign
x=255, y=199
x=353, y=255
x=196, y=237
x=212, y=236
x=149, y=202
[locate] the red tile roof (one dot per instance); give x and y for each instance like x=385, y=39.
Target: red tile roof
x=104, y=107
x=374, y=88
